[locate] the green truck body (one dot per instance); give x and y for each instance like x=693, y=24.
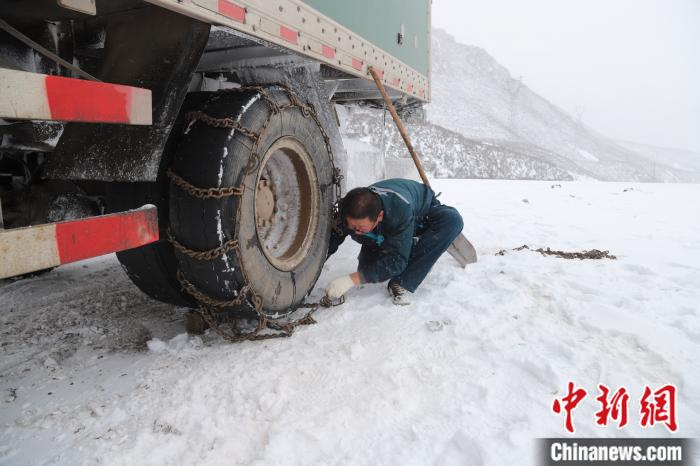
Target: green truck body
x=382, y=22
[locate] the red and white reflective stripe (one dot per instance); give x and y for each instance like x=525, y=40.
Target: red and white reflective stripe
x=24, y=250
x=35, y=96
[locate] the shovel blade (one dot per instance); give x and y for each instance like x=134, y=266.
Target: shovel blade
x=462, y=250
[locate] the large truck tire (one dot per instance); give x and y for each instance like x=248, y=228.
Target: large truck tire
x=153, y=267
x=262, y=142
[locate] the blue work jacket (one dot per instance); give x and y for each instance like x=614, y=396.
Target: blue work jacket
x=405, y=204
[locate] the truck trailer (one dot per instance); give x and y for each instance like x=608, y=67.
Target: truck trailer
x=197, y=139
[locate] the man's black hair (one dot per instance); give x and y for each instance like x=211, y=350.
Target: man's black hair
x=360, y=203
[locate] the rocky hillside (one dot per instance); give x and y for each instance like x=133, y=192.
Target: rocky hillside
x=448, y=154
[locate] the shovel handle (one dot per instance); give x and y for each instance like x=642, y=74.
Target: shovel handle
x=399, y=125
x=464, y=254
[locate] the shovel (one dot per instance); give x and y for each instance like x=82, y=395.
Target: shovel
x=461, y=249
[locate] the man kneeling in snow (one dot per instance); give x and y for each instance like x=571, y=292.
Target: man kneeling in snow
x=403, y=230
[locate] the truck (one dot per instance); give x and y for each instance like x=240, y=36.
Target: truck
x=197, y=139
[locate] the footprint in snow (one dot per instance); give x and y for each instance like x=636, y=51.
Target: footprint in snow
x=437, y=325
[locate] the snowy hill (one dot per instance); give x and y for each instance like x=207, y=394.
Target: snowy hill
x=484, y=123
x=466, y=375
x=448, y=154
x=681, y=161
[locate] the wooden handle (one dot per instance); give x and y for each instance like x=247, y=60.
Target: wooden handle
x=399, y=125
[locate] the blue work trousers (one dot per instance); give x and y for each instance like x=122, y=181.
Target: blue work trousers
x=433, y=236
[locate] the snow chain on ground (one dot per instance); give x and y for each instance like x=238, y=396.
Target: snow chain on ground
x=245, y=294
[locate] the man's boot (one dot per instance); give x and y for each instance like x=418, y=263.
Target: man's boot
x=399, y=295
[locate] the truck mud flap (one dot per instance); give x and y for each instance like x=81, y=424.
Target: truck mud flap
x=148, y=47
x=30, y=249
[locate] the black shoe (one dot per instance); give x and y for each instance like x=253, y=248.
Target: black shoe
x=399, y=294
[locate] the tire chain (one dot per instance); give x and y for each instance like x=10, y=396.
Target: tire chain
x=211, y=254
x=245, y=295
x=202, y=193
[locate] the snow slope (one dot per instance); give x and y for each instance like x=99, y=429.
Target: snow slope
x=484, y=122
x=682, y=161
x=465, y=375
x=448, y=154
x=476, y=96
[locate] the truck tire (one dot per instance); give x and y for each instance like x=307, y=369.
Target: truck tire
x=153, y=267
x=260, y=141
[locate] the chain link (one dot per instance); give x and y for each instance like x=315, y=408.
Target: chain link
x=205, y=299
x=220, y=123
x=284, y=329
x=211, y=254
x=202, y=193
x=246, y=296
x=308, y=111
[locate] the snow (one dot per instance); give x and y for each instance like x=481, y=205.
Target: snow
x=221, y=166
x=222, y=240
x=587, y=155
x=365, y=166
x=465, y=375
x=248, y=104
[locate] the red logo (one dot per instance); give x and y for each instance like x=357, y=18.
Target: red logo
x=614, y=408
x=661, y=409
x=656, y=407
x=569, y=402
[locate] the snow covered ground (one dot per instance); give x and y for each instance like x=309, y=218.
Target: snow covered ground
x=466, y=375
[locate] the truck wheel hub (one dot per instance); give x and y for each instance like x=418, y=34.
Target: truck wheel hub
x=264, y=203
x=286, y=203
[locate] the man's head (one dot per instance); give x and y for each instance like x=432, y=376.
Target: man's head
x=361, y=210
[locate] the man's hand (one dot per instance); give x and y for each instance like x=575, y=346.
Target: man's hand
x=340, y=286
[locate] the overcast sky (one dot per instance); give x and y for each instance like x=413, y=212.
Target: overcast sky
x=631, y=67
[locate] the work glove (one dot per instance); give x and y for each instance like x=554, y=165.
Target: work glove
x=339, y=287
